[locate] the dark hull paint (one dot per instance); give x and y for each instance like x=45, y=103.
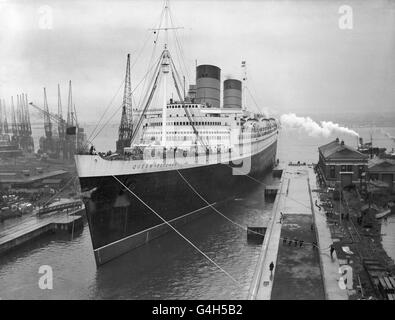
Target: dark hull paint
x=119, y=222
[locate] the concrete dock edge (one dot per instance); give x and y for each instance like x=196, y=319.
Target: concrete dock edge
x=257, y=278
x=329, y=267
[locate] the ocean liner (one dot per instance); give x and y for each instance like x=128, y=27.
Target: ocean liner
x=174, y=159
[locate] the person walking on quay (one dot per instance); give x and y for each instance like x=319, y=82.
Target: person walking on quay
x=271, y=267
x=281, y=217
x=332, y=250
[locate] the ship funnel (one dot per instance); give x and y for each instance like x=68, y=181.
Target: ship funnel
x=232, y=93
x=208, y=85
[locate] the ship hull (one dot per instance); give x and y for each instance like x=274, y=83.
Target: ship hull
x=119, y=222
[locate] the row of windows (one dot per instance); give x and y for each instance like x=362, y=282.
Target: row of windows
x=187, y=123
x=344, y=168
x=254, y=135
x=177, y=106
x=190, y=138
x=190, y=132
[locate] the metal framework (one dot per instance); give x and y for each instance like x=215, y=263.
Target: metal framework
x=125, y=130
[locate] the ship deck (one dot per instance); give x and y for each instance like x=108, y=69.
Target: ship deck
x=95, y=165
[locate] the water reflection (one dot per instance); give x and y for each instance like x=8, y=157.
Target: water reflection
x=166, y=268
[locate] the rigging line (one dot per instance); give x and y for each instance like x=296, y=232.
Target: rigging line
x=141, y=51
x=182, y=57
x=175, y=75
x=117, y=92
x=251, y=84
x=116, y=111
x=149, y=96
x=253, y=99
x=179, y=44
x=230, y=220
x=179, y=233
x=154, y=48
x=137, y=59
x=178, y=57
x=212, y=207
x=105, y=111
x=173, y=72
x=178, y=54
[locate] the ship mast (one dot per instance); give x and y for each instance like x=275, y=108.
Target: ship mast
x=164, y=66
x=244, y=67
x=165, y=71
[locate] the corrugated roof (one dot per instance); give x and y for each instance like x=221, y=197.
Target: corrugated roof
x=378, y=164
x=28, y=179
x=336, y=149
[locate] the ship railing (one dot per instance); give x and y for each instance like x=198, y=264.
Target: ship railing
x=192, y=155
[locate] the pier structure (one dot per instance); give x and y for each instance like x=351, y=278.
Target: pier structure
x=20, y=231
x=295, y=260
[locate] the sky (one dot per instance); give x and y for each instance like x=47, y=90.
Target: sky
x=298, y=59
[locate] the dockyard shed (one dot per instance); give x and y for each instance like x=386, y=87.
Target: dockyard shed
x=382, y=170
x=340, y=163
x=19, y=180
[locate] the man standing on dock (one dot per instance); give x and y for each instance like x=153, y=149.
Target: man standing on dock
x=271, y=267
x=281, y=217
x=332, y=250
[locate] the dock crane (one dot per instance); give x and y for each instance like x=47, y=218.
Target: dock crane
x=25, y=132
x=47, y=143
x=126, y=126
x=5, y=123
x=63, y=144
x=14, y=125
x=47, y=118
x=52, y=116
x=71, y=137
x=60, y=121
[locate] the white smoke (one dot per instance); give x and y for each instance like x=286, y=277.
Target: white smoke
x=325, y=128
x=388, y=135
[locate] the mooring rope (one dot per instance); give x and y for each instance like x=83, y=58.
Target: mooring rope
x=179, y=233
x=239, y=225
x=215, y=209
x=264, y=184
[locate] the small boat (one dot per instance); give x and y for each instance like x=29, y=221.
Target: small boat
x=382, y=214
